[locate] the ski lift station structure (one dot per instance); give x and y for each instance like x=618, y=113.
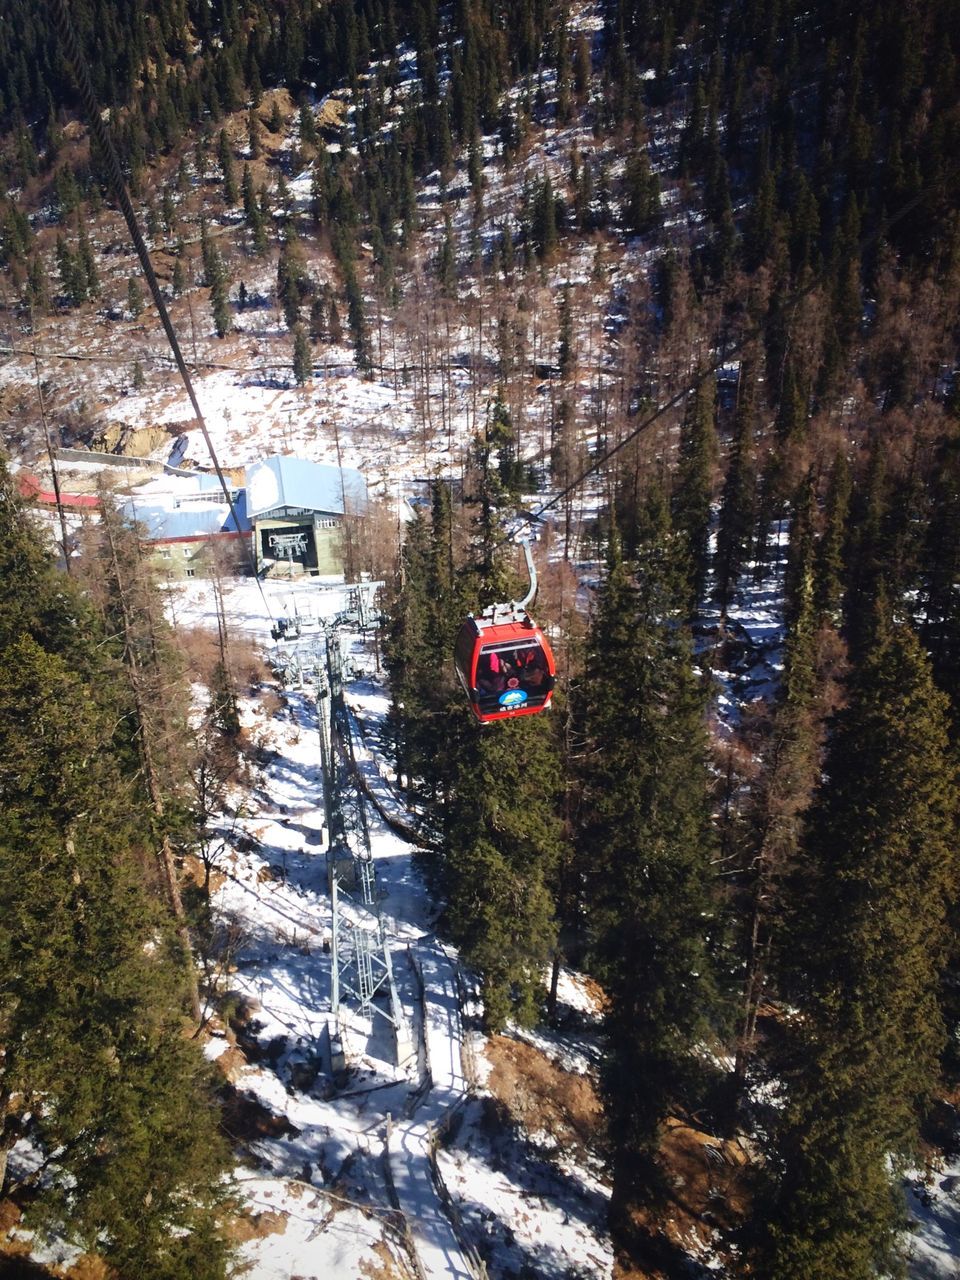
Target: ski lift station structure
x=297, y=510
x=290, y=513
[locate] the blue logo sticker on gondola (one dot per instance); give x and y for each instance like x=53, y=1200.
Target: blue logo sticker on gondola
x=513, y=698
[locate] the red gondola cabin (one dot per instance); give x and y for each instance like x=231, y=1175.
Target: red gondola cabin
x=505, y=665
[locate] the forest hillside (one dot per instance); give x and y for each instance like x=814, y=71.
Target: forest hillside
x=681, y=280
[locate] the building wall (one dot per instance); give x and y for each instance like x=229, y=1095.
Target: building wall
x=178, y=560
x=181, y=559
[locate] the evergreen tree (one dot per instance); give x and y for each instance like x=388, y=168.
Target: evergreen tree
x=409, y=652
x=212, y=266
x=502, y=841
x=737, y=514
x=492, y=802
x=693, y=491
x=641, y=194
x=867, y=552
x=302, y=357
x=291, y=271
x=501, y=438
x=646, y=836
x=169, y=211
x=225, y=159
x=866, y=948
x=67, y=192
x=284, y=199
x=72, y=275
x=219, y=304
x=317, y=319
x=334, y=327
x=829, y=587
x=37, y=289
x=790, y=760
x=94, y=1067
x=249, y=197
x=356, y=317
x=135, y=298
x=543, y=218
x=87, y=263
x=124, y=592
x=308, y=128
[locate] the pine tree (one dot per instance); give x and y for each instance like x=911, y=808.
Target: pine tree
x=334, y=326
x=737, y=514
x=219, y=303
x=641, y=194
x=829, y=586
x=866, y=948
x=693, y=491
x=124, y=592
x=646, y=836
x=88, y=264
x=408, y=652
x=169, y=211
x=581, y=67
x=249, y=197
x=67, y=192
x=501, y=439
x=208, y=255
x=308, y=128
x=502, y=841
x=284, y=199
x=225, y=160
x=96, y=1064
x=302, y=357
x=94, y=1067
x=37, y=289
x=790, y=761
x=135, y=299
x=543, y=219
x=867, y=552
x=356, y=317
x=318, y=316
x=291, y=270
x=72, y=276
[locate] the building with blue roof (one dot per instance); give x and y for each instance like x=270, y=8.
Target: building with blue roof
x=291, y=513
x=298, y=511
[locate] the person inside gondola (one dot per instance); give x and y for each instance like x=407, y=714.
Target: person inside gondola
x=533, y=670
x=491, y=673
